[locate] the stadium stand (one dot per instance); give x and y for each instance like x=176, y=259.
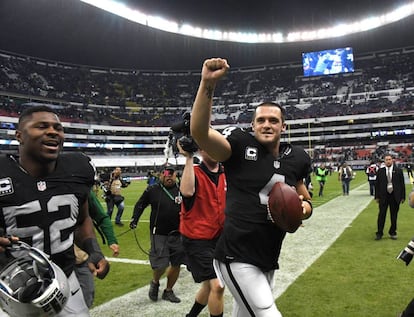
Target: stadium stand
x=124, y=116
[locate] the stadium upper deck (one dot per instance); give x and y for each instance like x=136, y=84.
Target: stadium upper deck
x=129, y=111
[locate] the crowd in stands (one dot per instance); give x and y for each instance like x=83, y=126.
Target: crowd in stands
x=402, y=152
x=382, y=82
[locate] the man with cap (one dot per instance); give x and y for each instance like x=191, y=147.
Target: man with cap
x=167, y=253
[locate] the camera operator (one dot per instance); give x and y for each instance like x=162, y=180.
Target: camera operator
x=115, y=198
x=407, y=255
x=203, y=187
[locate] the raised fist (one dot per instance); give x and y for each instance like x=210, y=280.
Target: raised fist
x=214, y=68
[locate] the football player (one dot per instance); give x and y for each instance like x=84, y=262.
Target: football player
x=43, y=199
x=247, y=251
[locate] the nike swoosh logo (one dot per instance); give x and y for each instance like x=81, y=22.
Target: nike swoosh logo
x=74, y=292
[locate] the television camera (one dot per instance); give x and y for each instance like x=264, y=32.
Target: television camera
x=181, y=131
x=407, y=253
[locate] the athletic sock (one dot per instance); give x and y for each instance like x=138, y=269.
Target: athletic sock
x=195, y=310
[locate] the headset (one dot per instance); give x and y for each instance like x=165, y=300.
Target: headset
x=30, y=284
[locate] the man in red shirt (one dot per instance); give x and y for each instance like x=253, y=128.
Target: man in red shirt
x=203, y=188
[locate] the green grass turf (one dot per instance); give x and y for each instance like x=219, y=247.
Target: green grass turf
x=356, y=277
x=123, y=277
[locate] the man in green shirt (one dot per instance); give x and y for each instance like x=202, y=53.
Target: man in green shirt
x=321, y=176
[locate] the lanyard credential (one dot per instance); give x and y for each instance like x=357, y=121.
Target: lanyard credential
x=167, y=192
x=177, y=199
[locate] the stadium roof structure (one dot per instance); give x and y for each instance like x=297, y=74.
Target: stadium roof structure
x=73, y=31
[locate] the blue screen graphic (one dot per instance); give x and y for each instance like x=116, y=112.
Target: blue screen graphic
x=327, y=62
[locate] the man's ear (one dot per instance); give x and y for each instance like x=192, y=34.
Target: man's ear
x=18, y=136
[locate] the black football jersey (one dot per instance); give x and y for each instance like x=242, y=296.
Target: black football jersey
x=251, y=171
x=44, y=211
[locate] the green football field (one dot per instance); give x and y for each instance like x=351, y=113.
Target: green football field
x=356, y=276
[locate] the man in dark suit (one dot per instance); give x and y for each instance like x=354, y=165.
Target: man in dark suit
x=389, y=191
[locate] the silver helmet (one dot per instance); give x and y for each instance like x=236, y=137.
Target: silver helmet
x=32, y=285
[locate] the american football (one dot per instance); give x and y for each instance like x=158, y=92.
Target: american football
x=411, y=199
x=285, y=207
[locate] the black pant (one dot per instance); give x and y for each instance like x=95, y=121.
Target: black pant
x=409, y=310
x=113, y=201
x=372, y=187
x=383, y=206
x=321, y=186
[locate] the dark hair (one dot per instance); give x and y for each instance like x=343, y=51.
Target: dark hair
x=270, y=104
x=29, y=111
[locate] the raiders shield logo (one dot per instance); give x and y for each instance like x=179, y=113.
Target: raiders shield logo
x=276, y=164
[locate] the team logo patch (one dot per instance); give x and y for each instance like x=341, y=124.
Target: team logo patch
x=276, y=164
x=6, y=186
x=250, y=154
x=41, y=186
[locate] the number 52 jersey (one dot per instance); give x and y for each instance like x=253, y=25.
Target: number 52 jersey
x=44, y=211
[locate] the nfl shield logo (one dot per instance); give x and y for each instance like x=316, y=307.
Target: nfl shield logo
x=41, y=186
x=6, y=186
x=276, y=164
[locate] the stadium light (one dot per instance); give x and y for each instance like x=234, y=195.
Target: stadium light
x=273, y=36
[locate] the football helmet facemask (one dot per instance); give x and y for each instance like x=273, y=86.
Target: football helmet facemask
x=31, y=284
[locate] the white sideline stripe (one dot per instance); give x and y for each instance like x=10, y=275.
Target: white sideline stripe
x=141, y=220
x=299, y=251
x=327, y=223
x=129, y=261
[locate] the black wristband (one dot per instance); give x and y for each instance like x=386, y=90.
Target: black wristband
x=311, y=211
x=93, y=249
